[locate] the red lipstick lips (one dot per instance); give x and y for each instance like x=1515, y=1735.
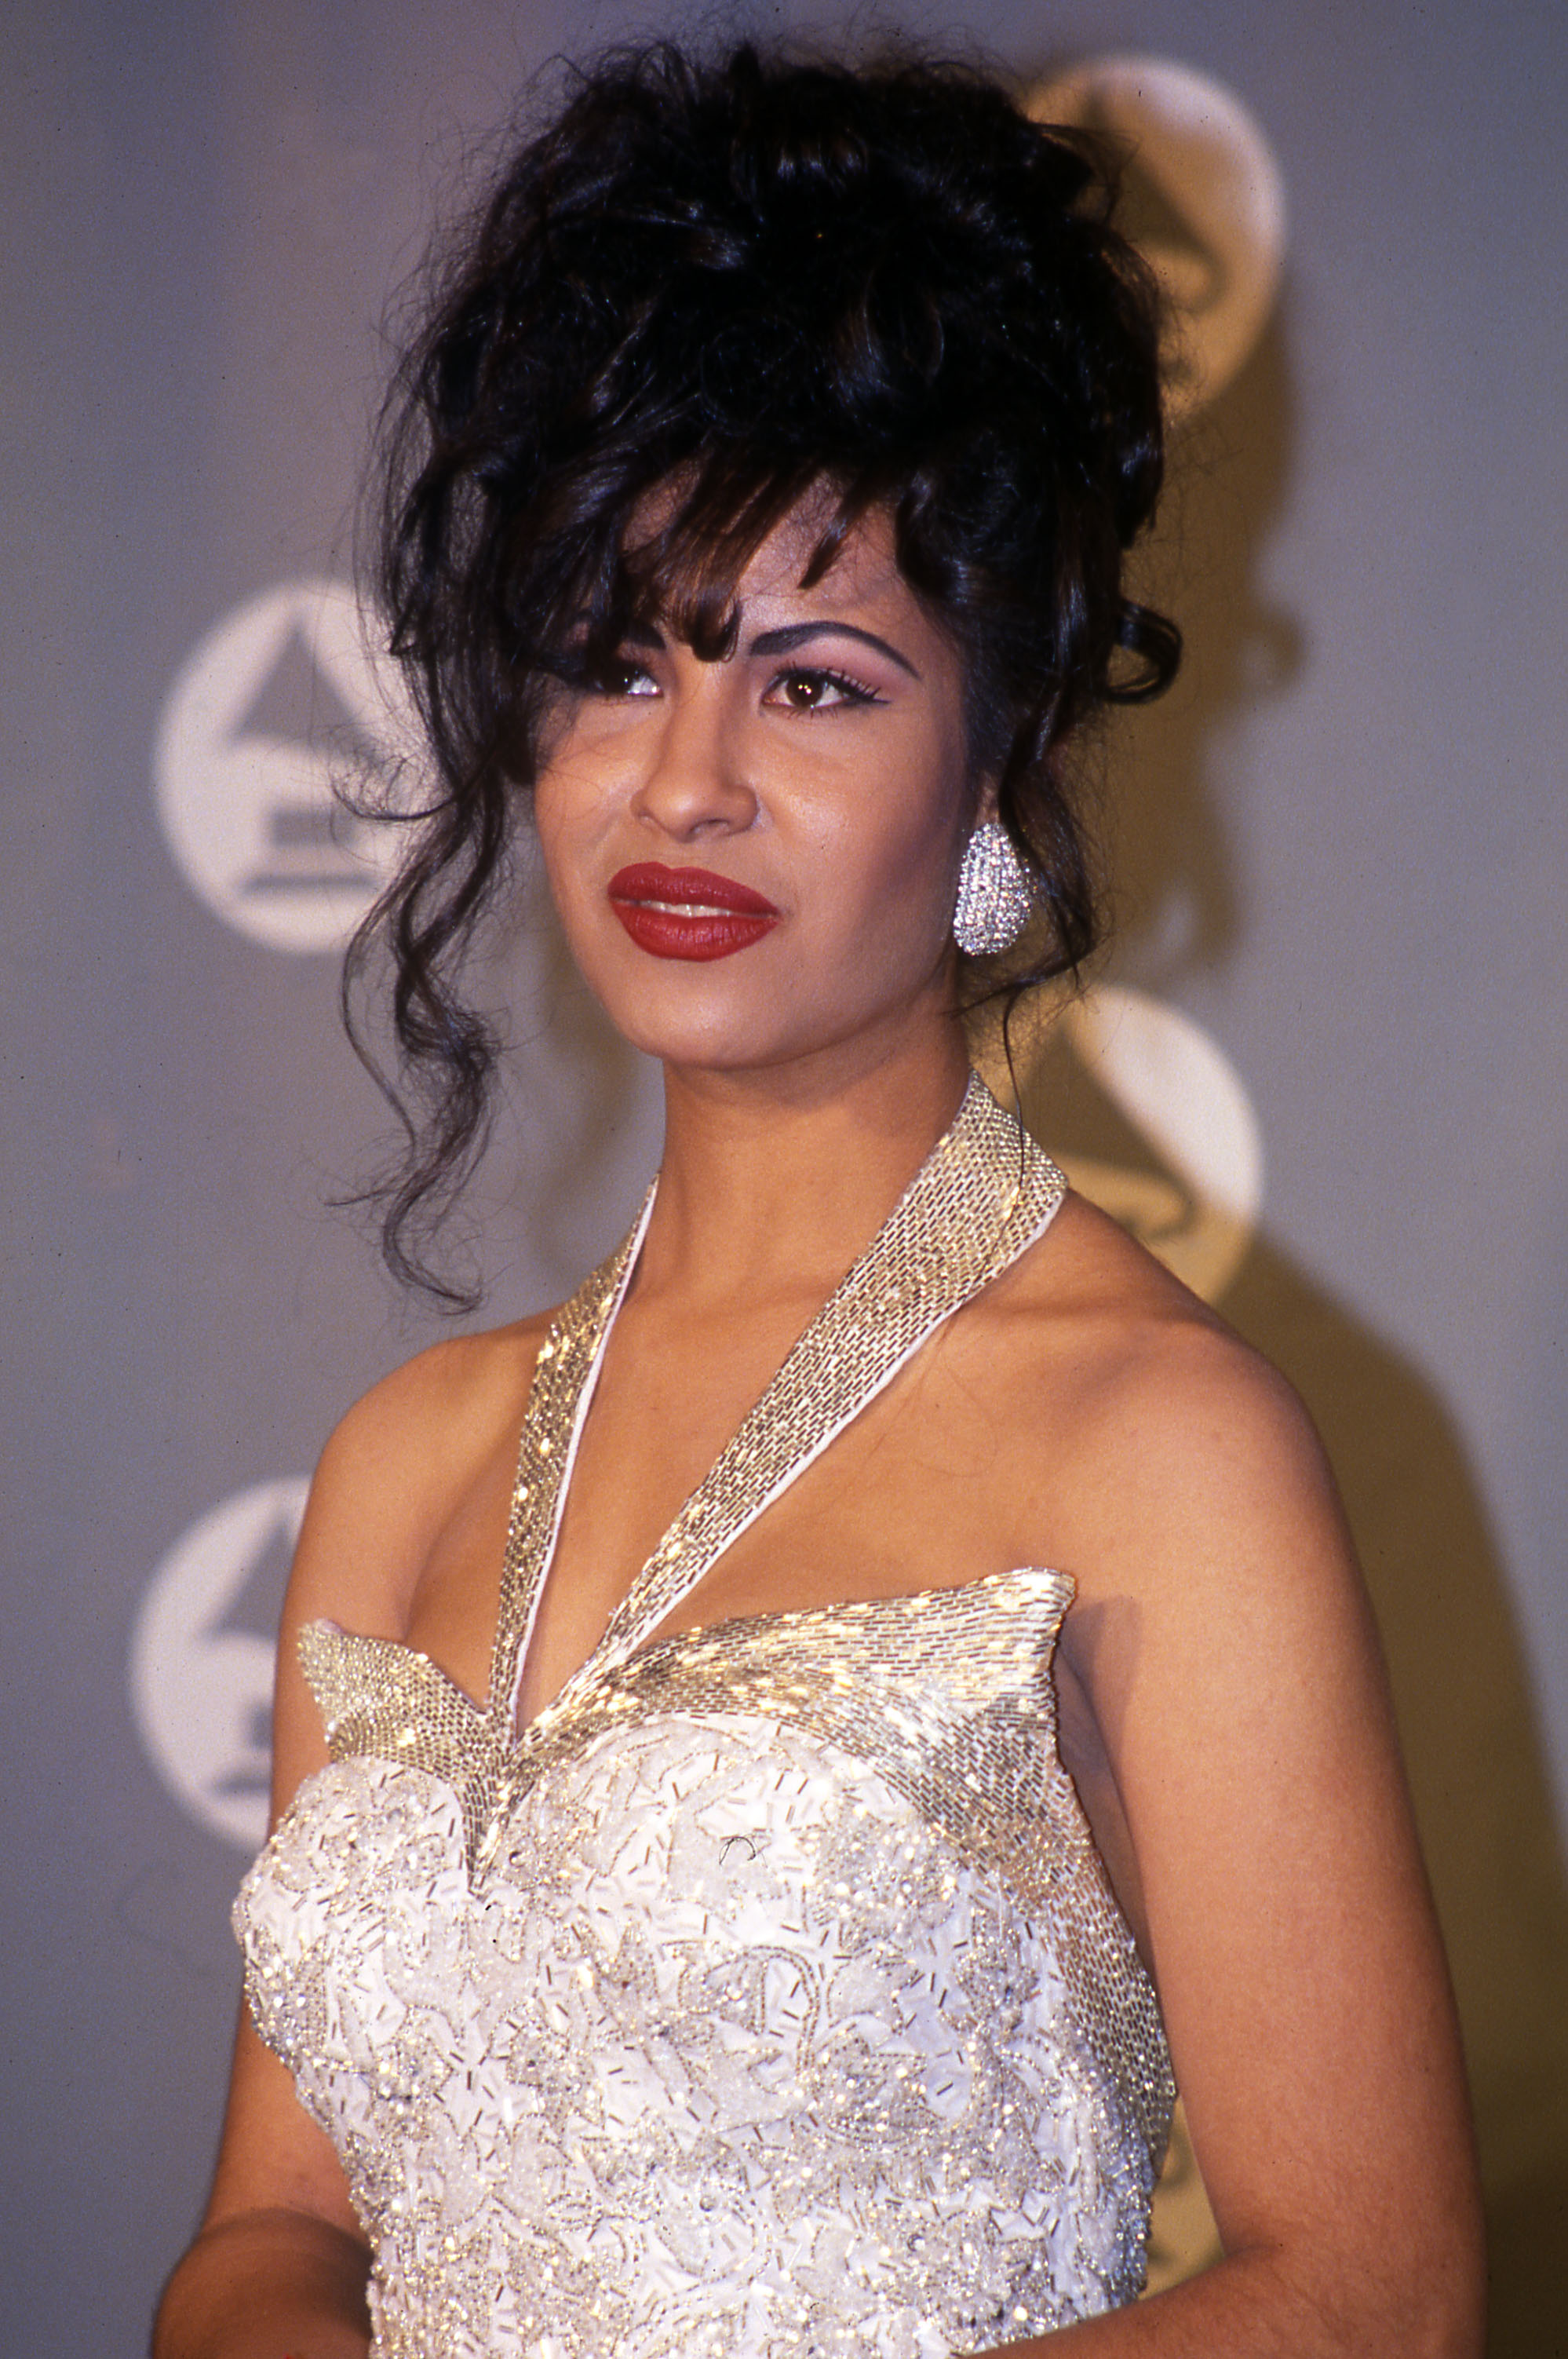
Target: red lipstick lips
x=689, y=913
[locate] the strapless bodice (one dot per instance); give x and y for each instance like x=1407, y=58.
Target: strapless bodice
x=766, y=1995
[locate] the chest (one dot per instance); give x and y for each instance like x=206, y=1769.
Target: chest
x=925, y=1488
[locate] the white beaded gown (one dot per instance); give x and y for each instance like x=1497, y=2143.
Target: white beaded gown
x=764, y=1995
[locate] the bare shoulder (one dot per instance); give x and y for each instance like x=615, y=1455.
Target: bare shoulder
x=397, y=1463
x=1176, y=1444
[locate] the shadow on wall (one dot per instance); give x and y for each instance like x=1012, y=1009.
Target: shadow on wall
x=1472, y=1749
x=1461, y=1687
x=1173, y=903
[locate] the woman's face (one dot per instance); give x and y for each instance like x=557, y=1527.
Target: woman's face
x=754, y=860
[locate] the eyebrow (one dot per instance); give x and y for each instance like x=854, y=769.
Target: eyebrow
x=796, y=635
x=785, y=641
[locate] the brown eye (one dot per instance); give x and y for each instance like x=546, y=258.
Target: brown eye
x=807, y=689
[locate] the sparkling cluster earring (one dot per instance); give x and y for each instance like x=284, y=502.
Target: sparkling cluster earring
x=995, y=896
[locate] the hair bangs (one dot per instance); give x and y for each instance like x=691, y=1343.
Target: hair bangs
x=679, y=558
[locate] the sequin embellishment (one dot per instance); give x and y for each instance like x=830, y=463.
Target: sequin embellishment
x=766, y=1995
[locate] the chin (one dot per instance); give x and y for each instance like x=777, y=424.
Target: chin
x=765, y=1041
x=716, y=1048
x=698, y=1013
x=747, y=1013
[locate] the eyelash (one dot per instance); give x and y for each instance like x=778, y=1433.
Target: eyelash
x=573, y=671
x=855, y=693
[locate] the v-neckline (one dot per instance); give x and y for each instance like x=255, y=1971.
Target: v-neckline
x=982, y=1195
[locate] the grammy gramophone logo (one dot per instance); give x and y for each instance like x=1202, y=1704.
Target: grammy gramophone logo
x=202, y=1655
x=283, y=701
x=1204, y=200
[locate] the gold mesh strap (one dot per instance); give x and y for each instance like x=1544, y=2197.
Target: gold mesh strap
x=559, y=1398
x=982, y=1195
x=380, y=1698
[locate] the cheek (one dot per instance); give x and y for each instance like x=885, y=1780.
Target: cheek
x=901, y=872
x=552, y=853
x=568, y=820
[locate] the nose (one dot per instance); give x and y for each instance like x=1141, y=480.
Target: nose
x=694, y=783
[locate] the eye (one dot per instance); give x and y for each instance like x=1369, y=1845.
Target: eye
x=621, y=675
x=806, y=688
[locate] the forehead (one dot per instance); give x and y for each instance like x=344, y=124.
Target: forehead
x=864, y=567
x=782, y=577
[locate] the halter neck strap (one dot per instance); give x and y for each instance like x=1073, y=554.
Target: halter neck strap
x=984, y=1194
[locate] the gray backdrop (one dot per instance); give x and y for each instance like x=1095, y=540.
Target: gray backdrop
x=1323, y=1073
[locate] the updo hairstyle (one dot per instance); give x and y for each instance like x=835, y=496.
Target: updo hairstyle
x=744, y=281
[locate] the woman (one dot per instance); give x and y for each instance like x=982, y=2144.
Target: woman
x=718, y=1957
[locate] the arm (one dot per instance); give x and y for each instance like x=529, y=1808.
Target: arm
x=279, y=2268
x=1236, y=1680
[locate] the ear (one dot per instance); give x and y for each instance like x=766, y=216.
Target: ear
x=984, y=805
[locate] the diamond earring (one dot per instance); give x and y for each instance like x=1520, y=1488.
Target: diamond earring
x=995, y=894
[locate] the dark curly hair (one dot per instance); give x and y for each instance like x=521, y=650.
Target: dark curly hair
x=745, y=281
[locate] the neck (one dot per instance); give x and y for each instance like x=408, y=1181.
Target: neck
x=772, y=1182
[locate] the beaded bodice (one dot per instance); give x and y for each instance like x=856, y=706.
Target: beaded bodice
x=765, y=1993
